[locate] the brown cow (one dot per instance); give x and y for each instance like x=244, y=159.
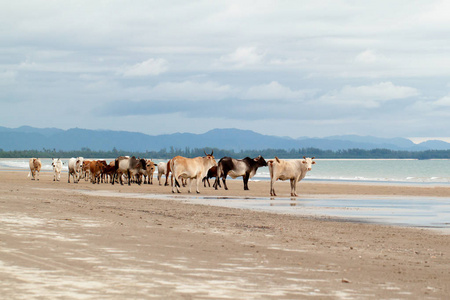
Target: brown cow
x=96, y=168
x=212, y=173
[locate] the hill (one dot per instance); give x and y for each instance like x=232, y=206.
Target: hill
x=29, y=138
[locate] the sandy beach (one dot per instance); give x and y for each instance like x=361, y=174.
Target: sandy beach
x=62, y=241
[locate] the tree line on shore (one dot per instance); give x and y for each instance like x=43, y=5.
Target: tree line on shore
x=268, y=153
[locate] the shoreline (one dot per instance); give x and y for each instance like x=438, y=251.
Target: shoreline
x=119, y=247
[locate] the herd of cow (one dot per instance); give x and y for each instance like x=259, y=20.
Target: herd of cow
x=141, y=170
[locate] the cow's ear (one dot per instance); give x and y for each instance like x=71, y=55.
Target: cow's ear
x=313, y=163
x=304, y=162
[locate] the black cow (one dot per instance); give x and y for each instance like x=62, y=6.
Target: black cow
x=246, y=168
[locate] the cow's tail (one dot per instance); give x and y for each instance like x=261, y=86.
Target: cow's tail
x=29, y=174
x=176, y=182
x=270, y=165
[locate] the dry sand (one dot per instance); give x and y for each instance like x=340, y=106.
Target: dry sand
x=58, y=242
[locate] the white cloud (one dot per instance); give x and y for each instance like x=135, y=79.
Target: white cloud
x=243, y=56
x=369, y=57
x=444, y=101
x=273, y=91
x=369, y=95
x=150, y=67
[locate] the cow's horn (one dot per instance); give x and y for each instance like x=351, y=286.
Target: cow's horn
x=304, y=157
x=313, y=157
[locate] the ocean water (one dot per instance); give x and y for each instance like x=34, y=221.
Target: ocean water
x=354, y=170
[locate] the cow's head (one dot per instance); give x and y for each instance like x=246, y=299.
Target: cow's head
x=260, y=161
x=150, y=166
x=308, y=162
x=210, y=159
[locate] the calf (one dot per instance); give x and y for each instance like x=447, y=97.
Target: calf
x=212, y=173
x=35, y=168
x=57, y=167
x=148, y=172
x=85, y=169
x=246, y=168
x=294, y=170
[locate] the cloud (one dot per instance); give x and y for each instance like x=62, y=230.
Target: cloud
x=368, y=95
x=243, y=56
x=273, y=91
x=369, y=57
x=150, y=67
x=186, y=90
x=444, y=101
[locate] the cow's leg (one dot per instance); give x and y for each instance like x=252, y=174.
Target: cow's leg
x=216, y=182
x=68, y=179
x=167, y=179
x=245, y=178
x=272, y=188
x=224, y=180
x=175, y=184
x=37, y=176
x=190, y=184
x=292, y=181
x=129, y=176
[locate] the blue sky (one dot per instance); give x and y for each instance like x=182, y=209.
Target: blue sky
x=286, y=68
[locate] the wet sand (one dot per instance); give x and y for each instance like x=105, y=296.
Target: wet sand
x=59, y=241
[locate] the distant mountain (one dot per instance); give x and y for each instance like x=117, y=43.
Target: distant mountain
x=29, y=138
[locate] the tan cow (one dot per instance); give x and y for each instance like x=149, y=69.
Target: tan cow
x=35, y=168
x=294, y=170
x=190, y=168
x=148, y=172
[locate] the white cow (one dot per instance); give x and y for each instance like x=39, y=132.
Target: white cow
x=294, y=170
x=190, y=168
x=35, y=168
x=57, y=167
x=75, y=168
x=162, y=168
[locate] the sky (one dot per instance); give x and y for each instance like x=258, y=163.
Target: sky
x=284, y=68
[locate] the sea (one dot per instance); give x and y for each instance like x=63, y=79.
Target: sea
x=400, y=171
